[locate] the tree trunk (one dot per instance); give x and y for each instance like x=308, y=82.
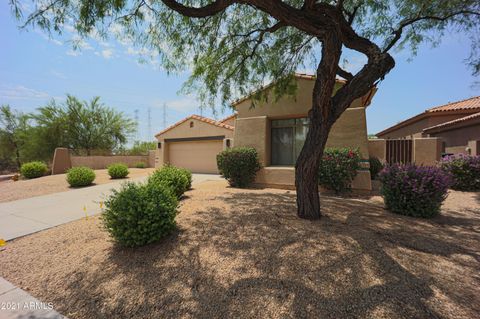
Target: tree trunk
x=306, y=171
x=321, y=119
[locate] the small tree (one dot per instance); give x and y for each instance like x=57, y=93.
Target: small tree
x=234, y=46
x=13, y=128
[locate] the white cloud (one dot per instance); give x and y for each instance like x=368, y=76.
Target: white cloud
x=21, y=92
x=48, y=38
x=187, y=105
x=107, y=53
x=72, y=52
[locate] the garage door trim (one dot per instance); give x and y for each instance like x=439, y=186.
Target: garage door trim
x=190, y=139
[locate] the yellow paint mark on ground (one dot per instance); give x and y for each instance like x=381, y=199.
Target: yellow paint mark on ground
x=2, y=242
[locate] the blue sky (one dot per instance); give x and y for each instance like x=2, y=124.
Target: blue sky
x=35, y=69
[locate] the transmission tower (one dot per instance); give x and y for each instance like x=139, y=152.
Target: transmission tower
x=136, y=125
x=164, y=115
x=149, y=124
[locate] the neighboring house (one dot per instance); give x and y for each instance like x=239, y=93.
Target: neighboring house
x=457, y=123
x=276, y=129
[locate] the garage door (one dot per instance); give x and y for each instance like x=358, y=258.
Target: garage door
x=197, y=156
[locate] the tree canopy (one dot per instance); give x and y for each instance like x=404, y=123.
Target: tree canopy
x=233, y=46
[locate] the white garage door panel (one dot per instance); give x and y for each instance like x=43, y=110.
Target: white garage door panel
x=197, y=156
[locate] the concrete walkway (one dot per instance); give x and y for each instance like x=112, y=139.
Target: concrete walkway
x=30, y=215
x=16, y=303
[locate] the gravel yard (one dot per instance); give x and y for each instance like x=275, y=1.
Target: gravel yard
x=10, y=190
x=244, y=254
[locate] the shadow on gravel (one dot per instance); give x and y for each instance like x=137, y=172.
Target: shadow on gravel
x=254, y=258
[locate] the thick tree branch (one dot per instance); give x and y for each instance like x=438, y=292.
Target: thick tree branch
x=344, y=74
x=200, y=12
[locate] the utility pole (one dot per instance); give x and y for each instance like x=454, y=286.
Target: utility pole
x=136, y=125
x=164, y=115
x=149, y=124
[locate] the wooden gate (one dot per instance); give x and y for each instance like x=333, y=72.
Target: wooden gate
x=399, y=151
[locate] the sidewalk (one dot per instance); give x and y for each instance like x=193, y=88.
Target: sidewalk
x=25, y=306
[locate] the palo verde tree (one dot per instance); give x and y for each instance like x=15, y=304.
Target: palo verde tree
x=233, y=46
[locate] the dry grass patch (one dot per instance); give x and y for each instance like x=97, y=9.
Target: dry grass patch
x=244, y=253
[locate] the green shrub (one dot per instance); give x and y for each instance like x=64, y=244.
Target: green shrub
x=140, y=165
x=33, y=169
x=464, y=170
x=338, y=168
x=171, y=177
x=118, y=170
x=375, y=166
x=239, y=165
x=188, y=174
x=139, y=214
x=80, y=176
x=414, y=190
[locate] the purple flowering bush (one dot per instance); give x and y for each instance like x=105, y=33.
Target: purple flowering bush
x=414, y=190
x=464, y=170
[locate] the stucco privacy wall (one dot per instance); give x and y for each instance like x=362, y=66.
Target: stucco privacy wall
x=63, y=160
x=426, y=150
x=253, y=129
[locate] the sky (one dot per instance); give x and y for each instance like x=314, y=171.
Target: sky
x=35, y=68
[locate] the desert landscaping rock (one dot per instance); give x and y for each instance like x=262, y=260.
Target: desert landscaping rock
x=244, y=254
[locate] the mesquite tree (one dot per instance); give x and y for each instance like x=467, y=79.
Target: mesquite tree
x=232, y=46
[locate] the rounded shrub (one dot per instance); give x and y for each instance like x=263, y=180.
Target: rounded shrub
x=171, y=177
x=464, y=170
x=188, y=174
x=338, y=168
x=80, y=176
x=118, y=170
x=33, y=169
x=139, y=214
x=140, y=165
x=375, y=166
x=414, y=190
x=239, y=165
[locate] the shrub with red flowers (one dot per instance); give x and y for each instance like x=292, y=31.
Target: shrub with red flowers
x=465, y=171
x=338, y=168
x=414, y=190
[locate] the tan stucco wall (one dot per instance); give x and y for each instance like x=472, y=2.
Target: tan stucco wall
x=61, y=161
x=414, y=130
x=427, y=151
x=459, y=136
x=286, y=106
x=230, y=122
x=100, y=162
x=284, y=177
x=199, y=129
x=253, y=129
x=378, y=148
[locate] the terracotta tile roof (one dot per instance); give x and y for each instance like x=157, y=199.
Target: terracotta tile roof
x=462, y=120
x=464, y=106
x=467, y=104
x=228, y=118
x=199, y=118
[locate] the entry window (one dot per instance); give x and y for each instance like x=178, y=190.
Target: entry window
x=288, y=137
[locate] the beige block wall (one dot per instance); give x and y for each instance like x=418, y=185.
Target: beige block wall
x=199, y=129
x=286, y=106
x=378, y=148
x=427, y=151
x=254, y=132
x=101, y=162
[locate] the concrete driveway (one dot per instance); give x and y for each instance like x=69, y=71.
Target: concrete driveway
x=26, y=216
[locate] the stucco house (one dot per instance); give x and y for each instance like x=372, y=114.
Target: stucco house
x=456, y=123
x=276, y=129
